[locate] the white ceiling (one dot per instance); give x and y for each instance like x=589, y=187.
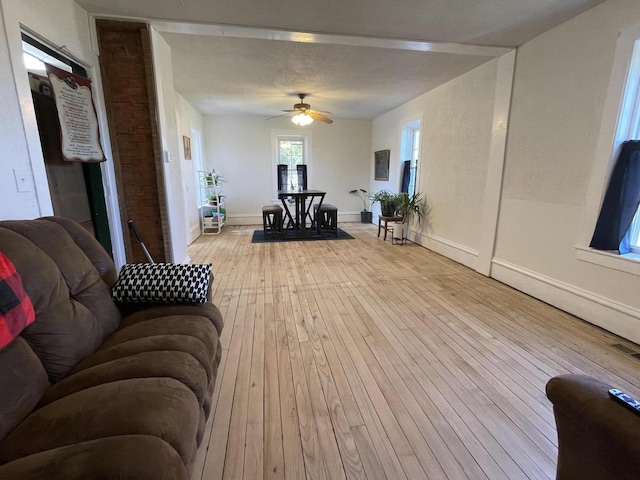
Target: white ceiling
x=347, y=63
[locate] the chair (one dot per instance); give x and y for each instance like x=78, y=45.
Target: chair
x=283, y=176
x=302, y=176
x=271, y=221
x=326, y=218
x=597, y=437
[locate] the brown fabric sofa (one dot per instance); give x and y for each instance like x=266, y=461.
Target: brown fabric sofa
x=87, y=392
x=597, y=437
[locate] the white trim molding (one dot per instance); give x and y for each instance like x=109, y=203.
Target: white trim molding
x=629, y=263
x=610, y=315
x=456, y=252
x=495, y=170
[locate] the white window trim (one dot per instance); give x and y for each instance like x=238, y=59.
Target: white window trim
x=615, y=128
x=275, y=134
x=416, y=119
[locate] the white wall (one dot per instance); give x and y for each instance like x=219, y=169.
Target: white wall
x=456, y=135
x=240, y=148
x=559, y=94
x=163, y=69
x=188, y=118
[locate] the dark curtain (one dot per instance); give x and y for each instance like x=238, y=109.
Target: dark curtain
x=406, y=176
x=621, y=200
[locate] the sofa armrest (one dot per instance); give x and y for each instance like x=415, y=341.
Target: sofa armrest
x=597, y=437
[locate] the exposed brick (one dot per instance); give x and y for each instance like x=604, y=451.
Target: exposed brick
x=125, y=62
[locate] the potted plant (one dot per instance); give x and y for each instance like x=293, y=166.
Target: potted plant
x=212, y=199
x=410, y=205
x=365, y=215
x=388, y=202
x=212, y=177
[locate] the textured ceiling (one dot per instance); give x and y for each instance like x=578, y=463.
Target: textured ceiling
x=258, y=76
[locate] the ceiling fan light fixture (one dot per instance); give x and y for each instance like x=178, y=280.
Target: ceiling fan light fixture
x=301, y=119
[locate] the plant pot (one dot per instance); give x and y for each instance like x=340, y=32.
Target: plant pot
x=388, y=210
x=366, y=217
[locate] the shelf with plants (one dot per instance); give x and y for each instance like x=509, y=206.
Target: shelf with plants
x=213, y=205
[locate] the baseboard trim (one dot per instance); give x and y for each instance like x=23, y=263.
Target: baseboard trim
x=194, y=233
x=613, y=316
x=456, y=252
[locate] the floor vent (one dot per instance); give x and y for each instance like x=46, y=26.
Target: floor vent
x=623, y=349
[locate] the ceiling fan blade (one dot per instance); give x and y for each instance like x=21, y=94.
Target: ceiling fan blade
x=317, y=116
x=278, y=116
x=321, y=111
x=289, y=111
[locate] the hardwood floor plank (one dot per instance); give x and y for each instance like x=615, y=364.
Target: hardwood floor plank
x=254, y=443
x=273, y=436
x=362, y=359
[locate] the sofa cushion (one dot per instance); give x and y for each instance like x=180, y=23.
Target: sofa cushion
x=153, y=343
x=162, y=283
x=161, y=407
x=178, y=365
x=16, y=309
x=90, y=246
x=22, y=383
x=73, y=305
x=198, y=327
x=125, y=457
x=208, y=310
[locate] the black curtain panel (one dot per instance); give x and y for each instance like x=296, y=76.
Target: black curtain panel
x=406, y=176
x=621, y=200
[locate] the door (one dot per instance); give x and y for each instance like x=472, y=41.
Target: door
x=76, y=188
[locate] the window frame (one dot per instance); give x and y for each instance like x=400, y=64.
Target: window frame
x=620, y=122
x=276, y=136
x=410, y=146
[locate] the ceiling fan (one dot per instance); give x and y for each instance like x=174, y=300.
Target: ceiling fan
x=303, y=115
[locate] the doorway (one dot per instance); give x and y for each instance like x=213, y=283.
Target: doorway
x=76, y=188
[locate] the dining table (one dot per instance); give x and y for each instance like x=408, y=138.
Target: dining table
x=302, y=201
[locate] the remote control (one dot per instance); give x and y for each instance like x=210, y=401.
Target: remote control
x=625, y=400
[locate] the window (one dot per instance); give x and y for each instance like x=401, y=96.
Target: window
x=629, y=129
x=291, y=151
x=410, y=149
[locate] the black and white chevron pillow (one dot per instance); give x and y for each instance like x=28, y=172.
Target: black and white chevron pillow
x=162, y=283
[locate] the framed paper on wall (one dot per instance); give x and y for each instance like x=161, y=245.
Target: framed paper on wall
x=381, y=159
x=186, y=143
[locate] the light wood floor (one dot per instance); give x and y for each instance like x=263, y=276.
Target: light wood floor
x=362, y=359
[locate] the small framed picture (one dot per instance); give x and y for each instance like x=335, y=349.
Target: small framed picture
x=381, y=159
x=186, y=143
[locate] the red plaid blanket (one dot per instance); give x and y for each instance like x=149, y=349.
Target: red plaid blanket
x=16, y=309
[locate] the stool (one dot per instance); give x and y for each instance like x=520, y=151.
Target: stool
x=326, y=218
x=271, y=220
